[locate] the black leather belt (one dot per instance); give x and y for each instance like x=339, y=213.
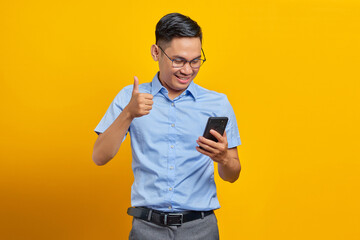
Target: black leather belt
x=166, y=218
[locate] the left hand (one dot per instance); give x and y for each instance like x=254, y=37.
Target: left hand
x=217, y=151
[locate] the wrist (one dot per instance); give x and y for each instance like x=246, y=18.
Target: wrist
x=127, y=113
x=224, y=163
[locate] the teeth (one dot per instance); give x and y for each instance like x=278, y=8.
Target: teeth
x=182, y=78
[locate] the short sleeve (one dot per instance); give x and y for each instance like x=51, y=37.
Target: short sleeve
x=232, y=131
x=114, y=110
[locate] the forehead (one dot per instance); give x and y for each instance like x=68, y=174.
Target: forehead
x=185, y=47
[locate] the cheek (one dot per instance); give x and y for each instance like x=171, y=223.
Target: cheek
x=174, y=72
x=168, y=71
x=171, y=74
x=163, y=66
x=195, y=72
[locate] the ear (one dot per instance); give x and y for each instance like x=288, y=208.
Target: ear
x=155, y=52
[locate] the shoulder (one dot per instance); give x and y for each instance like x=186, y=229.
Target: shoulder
x=206, y=94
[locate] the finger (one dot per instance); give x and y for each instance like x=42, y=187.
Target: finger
x=149, y=102
x=145, y=101
x=202, y=151
x=148, y=96
x=225, y=137
x=205, y=146
x=208, y=142
x=147, y=107
x=136, y=85
x=217, y=135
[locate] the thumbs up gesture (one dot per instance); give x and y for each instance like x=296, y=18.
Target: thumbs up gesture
x=140, y=103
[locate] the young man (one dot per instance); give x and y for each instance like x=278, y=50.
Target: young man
x=174, y=194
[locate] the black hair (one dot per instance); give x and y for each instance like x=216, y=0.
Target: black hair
x=175, y=25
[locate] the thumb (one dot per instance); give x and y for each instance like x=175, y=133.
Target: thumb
x=136, y=85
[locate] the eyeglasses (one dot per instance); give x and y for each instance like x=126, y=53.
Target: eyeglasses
x=180, y=62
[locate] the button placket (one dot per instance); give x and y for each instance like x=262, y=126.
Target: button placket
x=172, y=150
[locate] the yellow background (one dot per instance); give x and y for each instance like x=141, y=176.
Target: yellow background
x=290, y=69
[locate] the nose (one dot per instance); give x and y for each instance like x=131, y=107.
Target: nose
x=186, y=69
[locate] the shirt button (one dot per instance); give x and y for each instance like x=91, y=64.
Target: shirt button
x=169, y=207
x=173, y=125
x=171, y=168
x=172, y=104
x=172, y=146
x=170, y=189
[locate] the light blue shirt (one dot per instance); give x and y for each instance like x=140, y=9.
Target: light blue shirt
x=169, y=173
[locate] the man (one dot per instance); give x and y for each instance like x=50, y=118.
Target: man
x=174, y=194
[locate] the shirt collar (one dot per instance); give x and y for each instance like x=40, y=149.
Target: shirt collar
x=192, y=90
x=156, y=87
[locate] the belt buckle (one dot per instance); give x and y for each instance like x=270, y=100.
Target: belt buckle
x=173, y=219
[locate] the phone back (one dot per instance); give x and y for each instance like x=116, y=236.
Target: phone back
x=216, y=123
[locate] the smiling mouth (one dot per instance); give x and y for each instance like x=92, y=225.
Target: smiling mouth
x=183, y=79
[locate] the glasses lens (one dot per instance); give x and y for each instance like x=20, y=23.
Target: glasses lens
x=178, y=63
x=196, y=63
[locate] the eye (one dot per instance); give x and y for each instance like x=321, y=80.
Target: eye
x=196, y=61
x=178, y=61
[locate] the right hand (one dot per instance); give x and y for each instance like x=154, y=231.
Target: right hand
x=140, y=103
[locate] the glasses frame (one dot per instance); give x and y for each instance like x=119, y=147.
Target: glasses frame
x=185, y=61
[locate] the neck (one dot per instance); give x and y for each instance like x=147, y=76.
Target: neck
x=172, y=94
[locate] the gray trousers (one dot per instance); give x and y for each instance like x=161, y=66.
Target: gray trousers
x=200, y=229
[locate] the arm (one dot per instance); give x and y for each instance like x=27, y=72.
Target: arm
x=228, y=161
x=108, y=143
x=230, y=170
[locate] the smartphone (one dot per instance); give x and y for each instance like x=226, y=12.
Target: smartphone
x=216, y=123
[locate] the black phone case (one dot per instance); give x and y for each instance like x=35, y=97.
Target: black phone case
x=216, y=123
